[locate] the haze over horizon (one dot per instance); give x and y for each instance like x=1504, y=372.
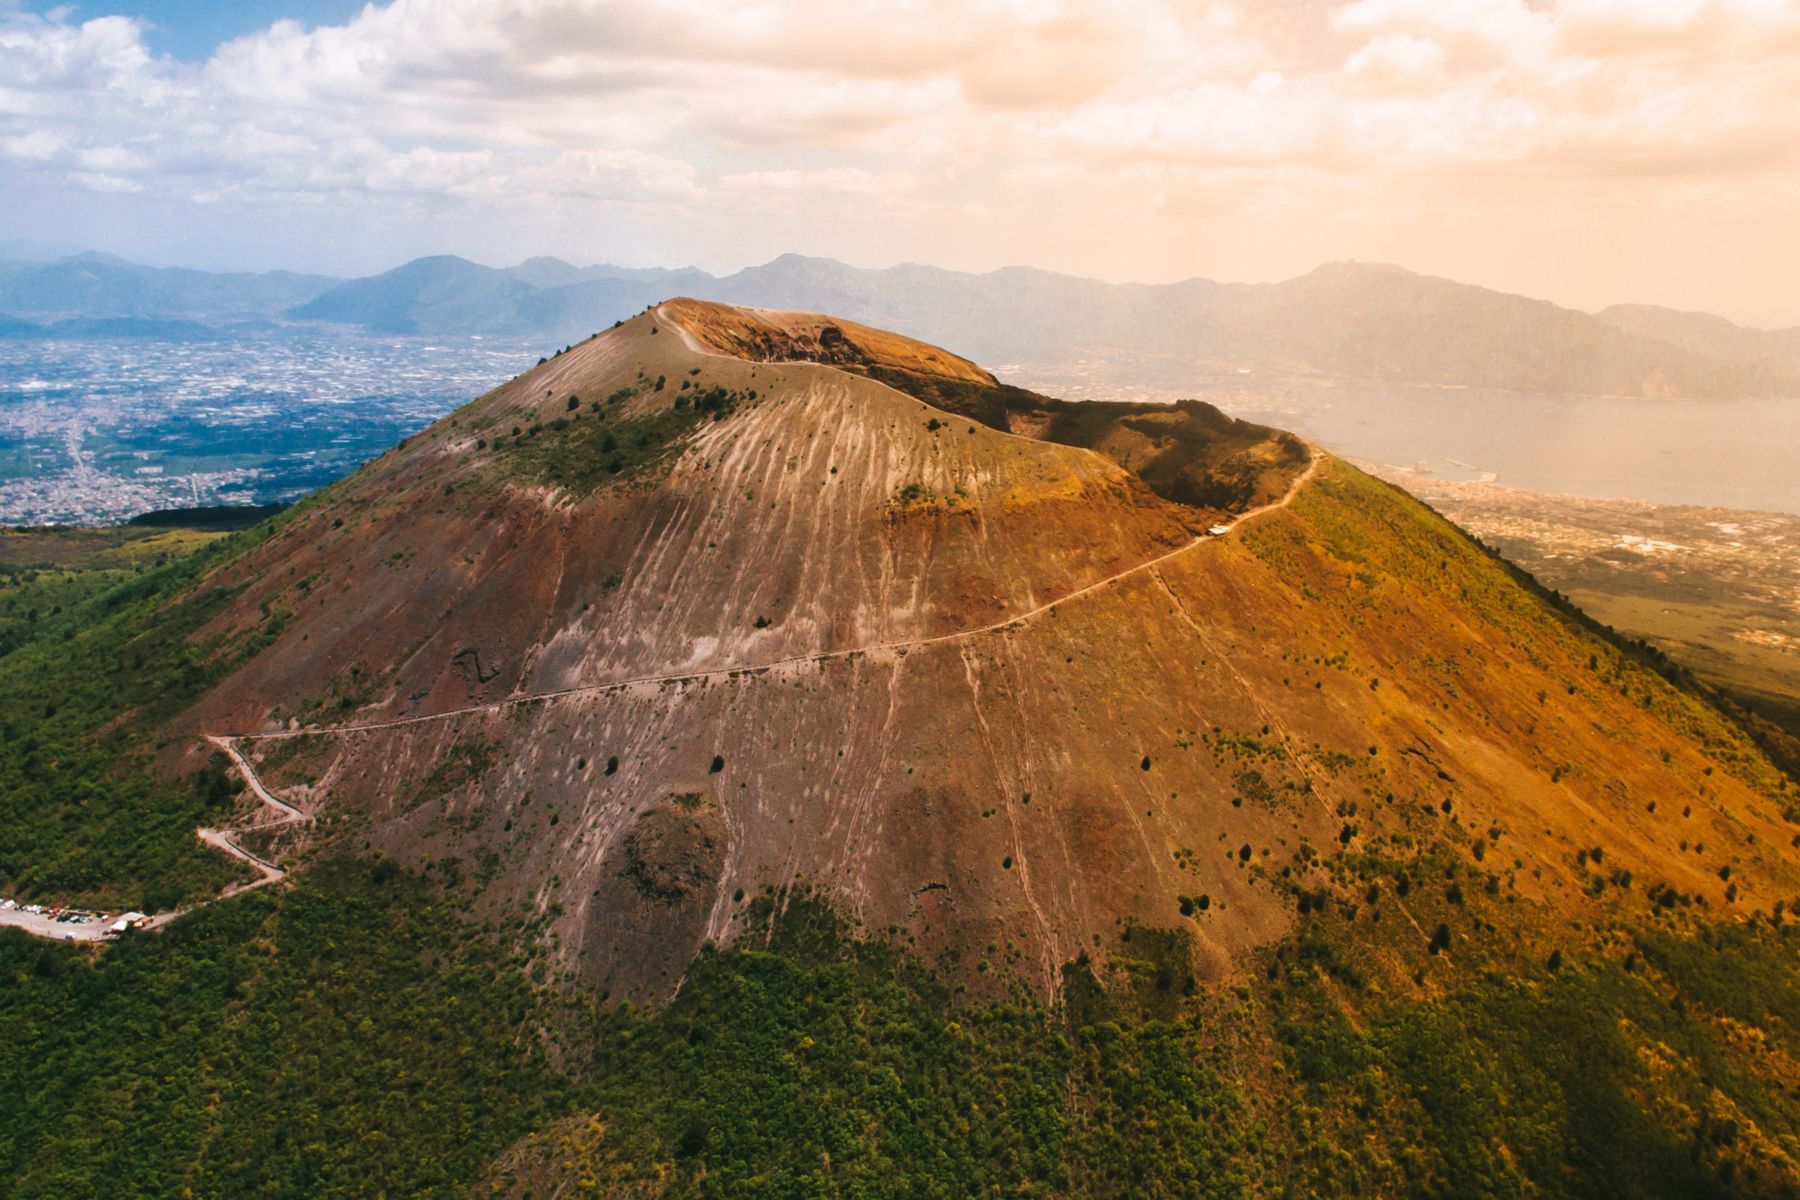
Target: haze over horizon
x=1589, y=152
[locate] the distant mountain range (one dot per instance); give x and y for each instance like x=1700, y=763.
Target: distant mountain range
x=1344, y=321
x=88, y=286
x=164, y=329
x=541, y=296
x=1714, y=337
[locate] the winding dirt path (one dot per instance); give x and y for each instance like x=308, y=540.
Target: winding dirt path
x=288, y=811
x=224, y=840
x=593, y=689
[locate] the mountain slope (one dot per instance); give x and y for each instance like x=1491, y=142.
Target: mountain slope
x=756, y=754
x=1715, y=337
x=428, y=295
x=776, y=622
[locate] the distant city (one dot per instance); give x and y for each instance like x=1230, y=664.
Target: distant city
x=97, y=431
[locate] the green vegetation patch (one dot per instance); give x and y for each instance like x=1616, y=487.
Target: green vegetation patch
x=820, y=1064
x=816, y=1063
x=355, y=1036
x=1525, y=1058
x=916, y=497
x=589, y=451
x=46, y=573
x=349, y=1037
x=83, y=817
x=1583, y=1081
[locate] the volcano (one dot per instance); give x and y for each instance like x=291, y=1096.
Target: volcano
x=726, y=603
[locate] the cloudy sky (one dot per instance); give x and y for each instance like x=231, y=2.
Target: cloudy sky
x=1587, y=151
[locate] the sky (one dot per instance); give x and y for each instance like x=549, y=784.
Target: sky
x=1584, y=151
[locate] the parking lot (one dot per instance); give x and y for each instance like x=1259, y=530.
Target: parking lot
x=66, y=924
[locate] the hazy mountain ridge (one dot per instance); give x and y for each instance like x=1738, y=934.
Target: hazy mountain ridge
x=91, y=286
x=1706, y=334
x=168, y=329
x=451, y=295
x=1358, y=321
x=1366, y=322
x=1343, y=321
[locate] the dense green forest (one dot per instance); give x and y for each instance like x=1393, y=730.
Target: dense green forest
x=100, y=651
x=353, y=1035
x=346, y=1037
x=821, y=1065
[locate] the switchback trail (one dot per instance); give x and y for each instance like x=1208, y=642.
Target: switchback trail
x=592, y=689
x=44, y=926
x=226, y=839
x=229, y=746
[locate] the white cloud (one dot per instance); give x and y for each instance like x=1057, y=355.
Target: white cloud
x=617, y=175
x=727, y=121
x=1727, y=28
x=1396, y=63
x=40, y=145
x=1511, y=29
x=846, y=180
x=95, y=181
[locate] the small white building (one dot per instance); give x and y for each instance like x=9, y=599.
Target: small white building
x=128, y=921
